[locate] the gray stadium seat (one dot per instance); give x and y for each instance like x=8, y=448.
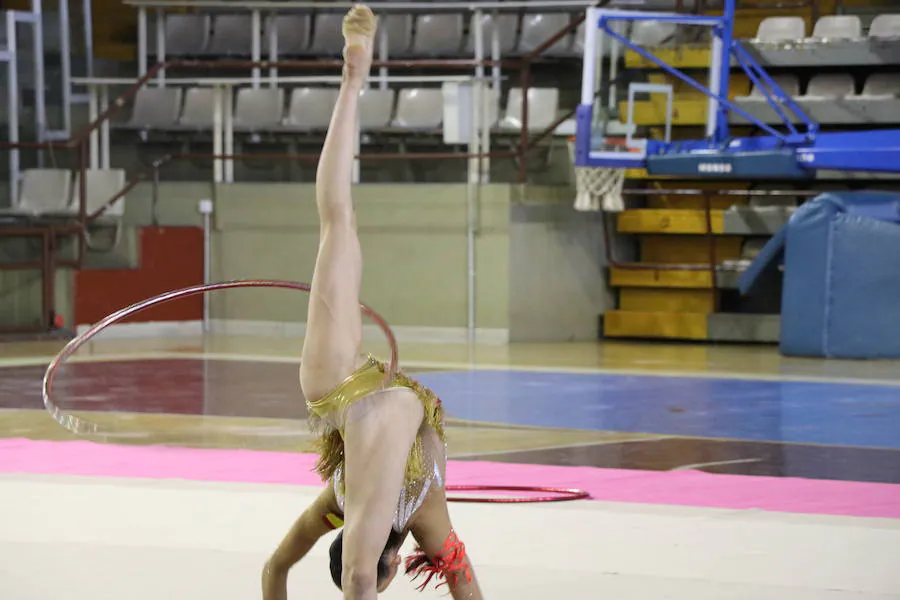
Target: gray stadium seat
x=507, y=29
x=438, y=35
x=538, y=28
x=198, y=108
x=543, y=106
x=885, y=27
x=778, y=30
x=326, y=34
x=882, y=86
x=258, y=109
x=311, y=107
x=829, y=86
x=787, y=82
x=399, y=30
x=102, y=185
x=186, y=35
x=232, y=35
x=376, y=109
x=155, y=108
x=838, y=27
x=44, y=192
x=293, y=31
x=654, y=34
x=419, y=109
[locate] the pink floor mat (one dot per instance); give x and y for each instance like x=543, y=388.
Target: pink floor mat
x=685, y=488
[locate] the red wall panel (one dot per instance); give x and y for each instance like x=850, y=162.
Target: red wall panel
x=171, y=258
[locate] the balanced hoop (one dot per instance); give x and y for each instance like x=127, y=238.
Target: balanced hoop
x=559, y=494
x=81, y=426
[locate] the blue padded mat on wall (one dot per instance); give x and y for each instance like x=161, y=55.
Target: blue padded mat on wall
x=841, y=293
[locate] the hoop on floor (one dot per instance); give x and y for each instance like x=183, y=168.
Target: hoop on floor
x=559, y=494
x=80, y=426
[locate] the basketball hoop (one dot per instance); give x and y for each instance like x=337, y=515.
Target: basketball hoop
x=599, y=188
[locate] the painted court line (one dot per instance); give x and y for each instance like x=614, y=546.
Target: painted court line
x=462, y=366
x=684, y=488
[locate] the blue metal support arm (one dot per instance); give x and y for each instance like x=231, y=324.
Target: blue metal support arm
x=723, y=100
x=768, y=85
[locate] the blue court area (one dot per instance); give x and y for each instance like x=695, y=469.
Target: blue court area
x=779, y=411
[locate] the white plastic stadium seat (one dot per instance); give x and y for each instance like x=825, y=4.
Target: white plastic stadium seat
x=198, y=108
x=44, y=192
x=419, y=109
x=102, y=185
x=232, y=35
x=311, y=107
x=507, y=29
x=829, y=86
x=156, y=107
x=885, y=27
x=538, y=28
x=258, y=109
x=376, y=109
x=543, y=105
x=293, y=34
x=838, y=27
x=778, y=30
x=438, y=35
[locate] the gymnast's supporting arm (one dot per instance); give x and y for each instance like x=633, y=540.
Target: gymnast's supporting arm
x=446, y=554
x=304, y=534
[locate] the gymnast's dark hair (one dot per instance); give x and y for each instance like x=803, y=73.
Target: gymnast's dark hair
x=336, y=553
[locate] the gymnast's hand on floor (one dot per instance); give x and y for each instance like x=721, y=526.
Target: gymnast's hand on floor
x=359, y=29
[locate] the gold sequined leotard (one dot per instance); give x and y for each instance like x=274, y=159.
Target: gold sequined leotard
x=326, y=417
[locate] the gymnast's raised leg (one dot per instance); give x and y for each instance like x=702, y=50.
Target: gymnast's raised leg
x=380, y=429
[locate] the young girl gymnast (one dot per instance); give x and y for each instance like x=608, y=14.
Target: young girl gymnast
x=381, y=446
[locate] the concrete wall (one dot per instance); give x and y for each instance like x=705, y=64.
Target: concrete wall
x=539, y=264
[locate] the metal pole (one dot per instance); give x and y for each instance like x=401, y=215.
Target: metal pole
x=273, y=49
x=87, y=15
x=104, y=128
x=217, y=134
x=382, y=56
x=228, y=124
x=472, y=189
x=161, y=45
x=723, y=33
x=142, y=40
x=256, y=44
x=13, y=106
x=40, y=90
x=206, y=209
x=65, y=51
x=93, y=113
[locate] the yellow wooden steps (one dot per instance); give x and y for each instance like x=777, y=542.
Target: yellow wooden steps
x=677, y=221
x=667, y=300
x=687, y=250
x=697, y=278
x=649, y=324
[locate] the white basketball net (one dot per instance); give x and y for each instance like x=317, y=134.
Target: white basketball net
x=599, y=188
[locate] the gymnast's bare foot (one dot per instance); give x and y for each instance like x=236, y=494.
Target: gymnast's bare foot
x=359, y=29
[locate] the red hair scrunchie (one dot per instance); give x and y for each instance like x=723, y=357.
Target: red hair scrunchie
x=449, y=563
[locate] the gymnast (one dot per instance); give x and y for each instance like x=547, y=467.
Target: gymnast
x=381, y=447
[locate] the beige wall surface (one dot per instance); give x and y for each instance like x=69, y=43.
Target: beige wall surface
x=538, y=269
